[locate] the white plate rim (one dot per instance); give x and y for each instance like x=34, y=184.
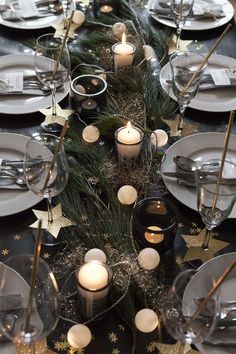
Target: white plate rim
x=216, y=96
x=36, y=23
x=39, y=102
x=21, y=200
x=197, y=25
x=185, y=146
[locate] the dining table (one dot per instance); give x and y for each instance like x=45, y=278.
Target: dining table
x=111, y=334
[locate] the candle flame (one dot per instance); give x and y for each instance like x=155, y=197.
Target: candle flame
x=128, y=125
x=123, y=39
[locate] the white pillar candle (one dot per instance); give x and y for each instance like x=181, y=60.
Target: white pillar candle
x=128, y=142
x=90, y=134
x=123, y=55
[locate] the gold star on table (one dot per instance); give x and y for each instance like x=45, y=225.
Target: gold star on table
x=183, y=45
x=187, y=128
x=195, y=250
x=62, y=114
x=46, y=255
x=175, y=348
x=59, y=221
x=179, y=262
x=5, y=252
x=17, y=237
x=113, y=337
x=60, y=29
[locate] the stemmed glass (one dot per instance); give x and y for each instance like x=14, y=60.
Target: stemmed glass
x=46, y=172
x=186, y=78
x=52, y=67
x=180, y=10
x=215, y=197
x=189, y=288
x=15, y=280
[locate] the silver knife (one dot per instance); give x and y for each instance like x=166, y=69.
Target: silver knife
x=187, y=178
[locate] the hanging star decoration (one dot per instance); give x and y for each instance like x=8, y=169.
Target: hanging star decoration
x=175, y=348
x=59, y=118
x=59, y=221
x=187, y=129
x=195, y=250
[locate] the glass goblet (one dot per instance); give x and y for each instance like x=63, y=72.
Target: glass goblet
x=46, y=172
x=16, y=323
x=180, y=10
x=186, y=78
x=189, y=288
x=52, y=67
x=215, y=197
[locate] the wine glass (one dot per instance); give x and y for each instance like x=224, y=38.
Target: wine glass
x=187, y=71
x=16, y=323
x=180, y=10
x=52, y=67
x=46, y=172
x=189, y=288
x=215, y=197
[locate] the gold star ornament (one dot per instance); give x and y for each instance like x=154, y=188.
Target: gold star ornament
x=59, y=221
x=77, y=21
x=183, y=45
x=187, y=128
x=59, y=118
x=195, y=250
x=175, y=348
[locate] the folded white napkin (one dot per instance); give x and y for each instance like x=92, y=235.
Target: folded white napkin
x=20, y=9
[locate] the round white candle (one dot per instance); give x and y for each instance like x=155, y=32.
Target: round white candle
x=159, y=138
x=95, y=254
x=106, y=9
x=153, y=237
x=128, y=142
x=79, y=336
x=123, y=54
x=79, y=17
x=127, y=195
x=90, y=134
x=148, y=258
x=93, y=276
x=89, y=104
x=146, y=320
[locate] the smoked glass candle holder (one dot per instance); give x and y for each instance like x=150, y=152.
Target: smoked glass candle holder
x=128, y=143
x=104, y=7
x=88, y=93
x=154, y=224
x=94, y=280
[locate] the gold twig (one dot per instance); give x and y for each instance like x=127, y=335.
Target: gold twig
x=33, y=276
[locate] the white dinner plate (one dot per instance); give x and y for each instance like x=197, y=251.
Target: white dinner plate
x=199, y=147
x=198, y=25
x=36, y=23
x=20, y=104
x=215, y=267
x=214, y=100
x=12, y=147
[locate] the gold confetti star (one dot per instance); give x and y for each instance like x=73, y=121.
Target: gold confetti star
x=75, y=351
x=194, y=224
x=187, y=128
x=113, y=337
x=5, y=252
x=63, y=336
x=17, y=237
x=179, y=261
x=62, y=114
x=180, y=224
x=46, y=255
x=183, y=45
x=152, y=347
x=59, y=221
x=69, y=140
x=115, y=351
x=175, y=348
x=122, y=328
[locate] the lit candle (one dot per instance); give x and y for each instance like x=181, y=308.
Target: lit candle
x=106, y=9
x=89, y=104
x=153, y=237
x=93, y=276
x=128, y=142
x=123, y=55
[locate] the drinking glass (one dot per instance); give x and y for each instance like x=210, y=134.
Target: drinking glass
x=189, y=288
x=215, y=197
x=15, y=279
x=46, y=172
x=52, y=67
x=186, y=78
x=180, y=10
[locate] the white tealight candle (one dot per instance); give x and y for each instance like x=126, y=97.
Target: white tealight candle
x=127, y=195
x=159, y=138
x=128, y=142
x=93, y=276
x=106, y=9
x=79, y=17
x=90, y=134
x=153, y=237
x=89, y=104
x=148, y=258
x=95, y=254
x=146, y=320
x=79, y=336
x=123, y=55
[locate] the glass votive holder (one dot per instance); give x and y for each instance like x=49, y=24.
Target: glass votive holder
x=154, y=224
x=128, y=141
x=123, y=56
x=94, y=280
x=88, y=93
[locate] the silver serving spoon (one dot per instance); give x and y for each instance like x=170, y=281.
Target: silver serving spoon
x=188, y=165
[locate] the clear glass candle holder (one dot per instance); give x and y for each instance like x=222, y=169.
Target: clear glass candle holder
x=123, y=56
x=94, y=280
x=154, y=224
x=128, y=143
x=88, y=93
